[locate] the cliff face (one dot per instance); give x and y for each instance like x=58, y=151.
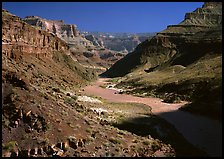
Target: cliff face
x=180, y=42
x=197, y=35
x=97, y=42
x=126, y=44
x=207, y=17
x=20, y=38
x=67, y=32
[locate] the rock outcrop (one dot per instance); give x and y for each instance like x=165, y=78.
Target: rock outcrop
x=97, y=42
x=67, y=32
x=20, y=38
x=207, y=17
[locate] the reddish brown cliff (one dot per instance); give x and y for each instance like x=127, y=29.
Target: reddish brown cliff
x=20, y=38
x=67, y=32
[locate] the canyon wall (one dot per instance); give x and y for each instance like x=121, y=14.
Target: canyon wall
x=178, y=44
x=20, y=38
x=67, y=32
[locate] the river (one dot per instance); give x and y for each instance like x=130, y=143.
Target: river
x=200, y=131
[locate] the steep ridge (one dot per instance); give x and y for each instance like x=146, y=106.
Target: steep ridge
x=181, y=62
x=170, y=42
x=20, y=40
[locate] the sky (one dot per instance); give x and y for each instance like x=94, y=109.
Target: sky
x=129, y=17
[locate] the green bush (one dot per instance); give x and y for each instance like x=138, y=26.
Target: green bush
x=115, y=141
x=9, y=146
x=68, y=100
x=146, y=142
x=74, y=97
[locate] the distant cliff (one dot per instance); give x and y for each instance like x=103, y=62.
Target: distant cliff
x=86, y=50
x=67, y=32
x=96, y=41
x=122, y=42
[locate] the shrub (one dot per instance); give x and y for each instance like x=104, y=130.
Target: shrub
x=155, y=146
x=9, y=146
x=89, y=130
x=115, y=141
x=68, y=100
x=146, y=142
x=74, y=97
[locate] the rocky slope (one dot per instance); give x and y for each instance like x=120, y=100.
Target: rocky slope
x=191, y=49
x=41, y=112
x=21, y=40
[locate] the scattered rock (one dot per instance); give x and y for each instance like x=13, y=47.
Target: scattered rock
x=59, y=153
x=68, y=94
x=65, y=146
x=88, y=99
x=159, y=153
x=56, y=90
x=72, y=142
x=28, y=129
x=14, y=154
x=80, y=143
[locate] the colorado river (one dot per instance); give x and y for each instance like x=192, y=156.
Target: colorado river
x=202, y=132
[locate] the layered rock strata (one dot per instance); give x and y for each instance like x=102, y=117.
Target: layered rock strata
x=20, y=38
x=66, y=32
